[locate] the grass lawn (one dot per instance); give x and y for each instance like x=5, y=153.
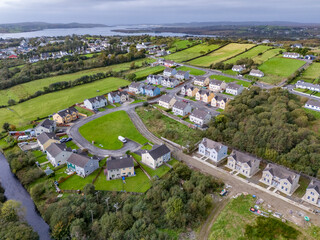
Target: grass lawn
x=21, y=114
x=160, y=107
x=303, y=182
x=40, y=156
x=278, y=68
x=192, y=52
x=72, y=145
x=312, y=72
x=228, y=80
x=253, y=52
x=144, y=73
x=180, y=44
x=84, y=111
x=316, y=114
x=138, y=183
x=219, y=110
x=106, y=129
x=267, y=55
x=137, y=101
x=221, y=54
x=29, y=88
x=167, y=127
x=76, y=182
x=193, y=71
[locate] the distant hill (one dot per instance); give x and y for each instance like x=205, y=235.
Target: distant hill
x=36, y=26
x=245, y=23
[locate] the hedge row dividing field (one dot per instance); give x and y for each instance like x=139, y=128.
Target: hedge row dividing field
x=47, y=104
x=253, y=52
x=221, y=54
x=267, y=55
x=312, y=73
x=181, y=44
x=26, y=89
x=143, y=73
x=192, y=52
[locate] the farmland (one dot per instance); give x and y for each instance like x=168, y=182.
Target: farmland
x=278, y=68
x=221, y=54
x=112, y=125
x=253, y=52
x=45, y=105
x=193, y=71
x=143, y=73
x=267, y=55
x=26, y=89
x=181, y=44
x=192, y=52
x=312, y=72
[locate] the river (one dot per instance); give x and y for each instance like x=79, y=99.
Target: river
x=15, y=191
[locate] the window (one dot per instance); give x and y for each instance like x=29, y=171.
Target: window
x=286, y=189
x=308, y=197
x=312, y=193
x=282, y=187
x=312, y=199
x=285, y=183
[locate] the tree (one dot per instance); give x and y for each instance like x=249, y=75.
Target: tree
x=11, y=211
x=131, y=76
x=89, y=189
x=6, y=126
x=11, y=102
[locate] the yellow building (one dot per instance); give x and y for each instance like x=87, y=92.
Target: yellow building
x=46, y=139
x=66, y=116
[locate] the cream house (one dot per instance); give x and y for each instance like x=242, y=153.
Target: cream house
x=200, y=117
x=167, y=101
x=201, y=81
x=204, y=96
x=219, y=101
x=217, y=86
x=155, y=157
x=312, y=194
x=192, y=91
x=46, y=139
x=66, y=116
x=118, y=167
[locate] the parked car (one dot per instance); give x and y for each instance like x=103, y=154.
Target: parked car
x=68, y=139
x=62, y=140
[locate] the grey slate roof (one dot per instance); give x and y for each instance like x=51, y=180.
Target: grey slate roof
x=313, y=102
x=166, y=98
x=233, y=86
x=256, y=71
x=67, y=111
x=182, y=73
x=44, y=137
x=308, y=85
x=180, y=105
x=201, y=114
x=199, y=78
x=78, y=160
x=280, y=172
x=204, y=92
x=56, y=148
x=208, y=143
x=97, y=98
x=149, y=87
x=243, y=158
x=169, y=70
x=216, y=82
x=314, y=184
x=158, y=151
x=47, y=123
x=119, y=162
x=221, y=98
x=135, y=85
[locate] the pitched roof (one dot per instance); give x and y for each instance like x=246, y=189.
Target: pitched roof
x=201, y=114
x=158, y=151
x=256, y=71
x=47, y=123
x=208, y=143
x=56, y=148
x=200, y=78
x=221, y=98
x=44, y=137
x=119, y=162
x=67, y=111
x=281, y=172
x=135, y=85
x=233, y=86
x=168, y=70
x=237, y=67
x=166, y=98
x=216, y=82
x=180, y=105
x=314, y=184
x=313, y=102
x=78, y=160
x=97, y=98
x=179, y=72
x=243, y=158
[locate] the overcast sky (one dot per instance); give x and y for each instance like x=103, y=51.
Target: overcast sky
x=114, y=12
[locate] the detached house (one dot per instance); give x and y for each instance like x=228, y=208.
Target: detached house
x=135, y=87
x=95, y=102
x=243, y=163
x=118, y=167
x=204, y=96
x=181, y=108
x=58, y=153
x=82, y=165
x=169, y=63
x=313, y=105
x=280, y=178
x=213, y=150
x=217, y=86
x=306, y=85
x=155, y=157
x=201, y=81
x=155, y=79
x=46, y=139
x=192, y=91
x=200, y=117
x=152, y=91
x=118, y=96
x=170, y=82
x=167, y=101
x=291, y=55
x=168, y=72
x=47, y=126
x=183, y=90
x=220, y=101
x=238, y=68
x=182, y=75
x=256, y=73
x=66, y=116
x=312, y=194
x=234, y=89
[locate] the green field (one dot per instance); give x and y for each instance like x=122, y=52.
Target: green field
x=192, y=71
x=276, y=69
x=312, y=72
x=267, y=55
x=106, y=129
x=180, y=44
x=228, y=80
x=141, y=74
x=21, y=114
x=253, y=52
x=221, y=54
x=26, y=89
x=192, y=52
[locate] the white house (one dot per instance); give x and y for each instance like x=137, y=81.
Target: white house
x=95, y=102
x=243, y=163
x=167, y=101
x=305, y=85
x=168, y=72
x=181, y=75
x=280, y=178
x=47, y=126
x=291, y=55
x=155, y=79
x=58, y=153
x=200, y=117
x=213, y=150
x=312, y=194
x=234, y=89
x=313, y=105
x=217, y=86
x=201, y=81
x=155, y=157
x=170, y=82
x=256, y=73
x=238, y=68
x=135, y=87
x=181, y=108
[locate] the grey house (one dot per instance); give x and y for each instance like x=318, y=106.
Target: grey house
x=82, y=165
x=119, y=167
x=200, y=117
x=312, y=194
x=313, y=105
x=181, y=108
x=158, y=155
x=213, y=150
x=95, y=102
x=58, y=153
x=47, y=126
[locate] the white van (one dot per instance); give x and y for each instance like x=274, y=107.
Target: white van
x=22, y=138
x=122, y=139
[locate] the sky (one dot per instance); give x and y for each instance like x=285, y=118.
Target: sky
x=113, y=12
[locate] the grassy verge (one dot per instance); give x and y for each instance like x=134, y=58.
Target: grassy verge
x=192, y=71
